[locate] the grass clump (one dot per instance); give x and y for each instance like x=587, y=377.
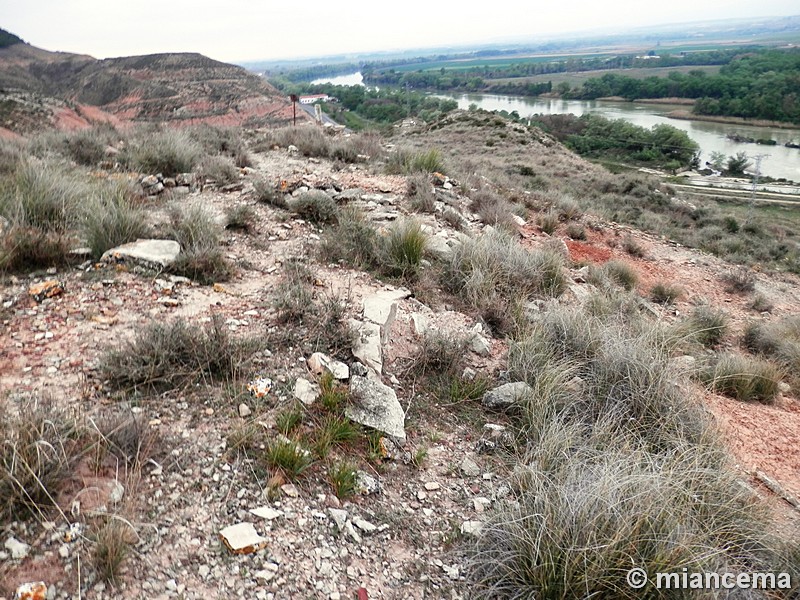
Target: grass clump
x=427, y=161
x=576, y=231
x=548, y=222
x=439, y=353
x=222, y=141
x=316, y=206
x=39, y=448
x=201, y=258
x=632, y=247
x=111, y=548
x=620, y=273
x=352, y=241
x=705, y=325
x=168, y=152
x=166, y=356
x=112, y=218
x=268, y=193
x=290, y=419
x=405, y=247
x=289, y=457
x=219, y=169
x=343, y=478
x=332, y=430
x=739, y=281
x=620, y=469
x=241, y=217
x=420, y=191
x=779, y=341
x=745, y=378
x=41, y=204
x=494, y=266
x=665, y=293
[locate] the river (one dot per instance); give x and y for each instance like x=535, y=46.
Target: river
x=778, y=161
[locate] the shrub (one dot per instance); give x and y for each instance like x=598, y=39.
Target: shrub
x=495, y=265
x=316, y=206
x=112, y=218
x=240, y=216
x=405, y=246
x=88, y=146
x=224, y=141
x=310, y=140
x=420, y=191
x=614, y=458
x=219, y=169
x=621, y=273
x=352, y=241
x=548, y=222
x=268, y=193
x=739, y=281
x=428, y=161
x=576, y=232
x=568, y=208
x=39, y=448
x=439, y=353
x=168, y=152
x=705, y=326
x=167, y=356
x=744, y=378
x=200, y=258
x=632, y=247
x=761, y=303
x=665, y=293
x=111, y=547
x=780, y=341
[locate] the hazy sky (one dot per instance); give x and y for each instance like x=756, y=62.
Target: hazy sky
x=240, y=30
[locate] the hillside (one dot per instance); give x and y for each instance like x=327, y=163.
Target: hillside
x=174, y=88
x=503, y=359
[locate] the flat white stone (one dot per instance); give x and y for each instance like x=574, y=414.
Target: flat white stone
x=266, y=512
x=242, y=538
x=158, y=252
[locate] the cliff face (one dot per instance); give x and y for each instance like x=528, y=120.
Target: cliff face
x=37, y=88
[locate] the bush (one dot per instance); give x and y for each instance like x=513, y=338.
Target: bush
x=705, y=325
x=352, y=241
x=739, y=281
x=632, y=247
x=310, y=140
x=780, y=341
x=38, y=451
x=112, y=218
x=420, y=191
x=223, y=141
x=621, y=273
x=429, y=161
x=200, y=258
x=168, y=152
x=405, y=246
x=268, y=193
x=439, y=354
x=665, y=293
x=219, y=169
x=240, y=216
x=88, y=146
x=576, y=232
x=548, y=222
x=495, y=265
x=167, y=356
x=568, y=209
x=744, y=378
x=316, y=206
x=614, y=457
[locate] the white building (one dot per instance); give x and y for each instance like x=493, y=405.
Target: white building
x=314, y=98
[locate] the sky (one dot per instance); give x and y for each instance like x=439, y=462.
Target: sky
x=241, y=30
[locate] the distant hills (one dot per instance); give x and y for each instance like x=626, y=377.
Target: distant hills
x=40, y=89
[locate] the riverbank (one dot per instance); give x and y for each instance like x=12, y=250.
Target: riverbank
x=690, y=116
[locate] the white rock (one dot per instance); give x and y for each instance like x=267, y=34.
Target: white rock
x=376, y=405
x=19, y=550
x=419, y=323
x=480, y=345
x=506, y=395
x=364, y=525
x=266, y=512
x=242, y=538
x=244, y=410
x=471, y=527
x=339, y=517
x=432, y=486
x=117, y=492
x=469, y=467
x=148, y=252
x=305, y=391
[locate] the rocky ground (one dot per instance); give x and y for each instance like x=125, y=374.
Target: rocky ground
x=401, y=536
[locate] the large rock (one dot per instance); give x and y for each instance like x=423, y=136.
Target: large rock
x=506, y=396
x=381, y=308
x=438, y=247
x=375, y=405
x=305, y=391
x=367, y=345
x=148, y=253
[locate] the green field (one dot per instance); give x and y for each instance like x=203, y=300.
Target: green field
x=462, y=64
